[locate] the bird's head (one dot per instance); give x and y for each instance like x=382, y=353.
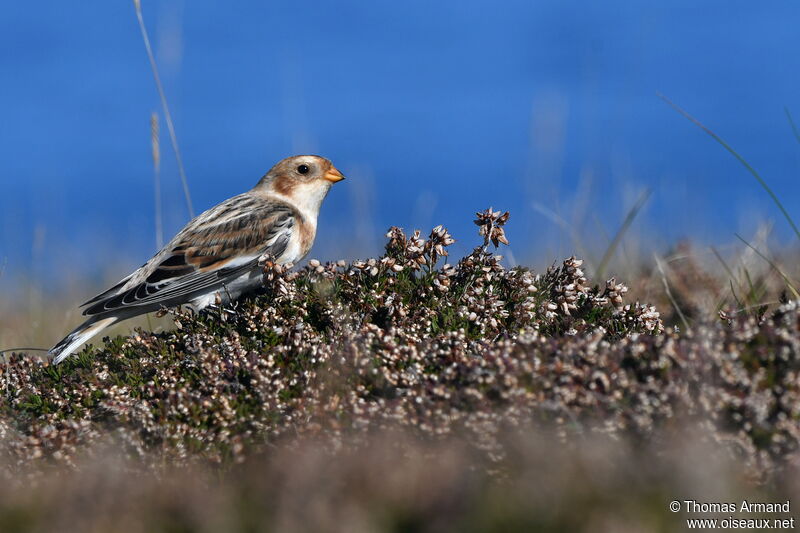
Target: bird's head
x=302, y=179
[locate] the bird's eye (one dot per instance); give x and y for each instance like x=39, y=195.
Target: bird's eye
x=303, y=169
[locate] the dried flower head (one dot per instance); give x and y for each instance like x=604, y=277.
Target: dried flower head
x=490, y=224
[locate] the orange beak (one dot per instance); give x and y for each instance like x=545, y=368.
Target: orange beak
x=333, y=175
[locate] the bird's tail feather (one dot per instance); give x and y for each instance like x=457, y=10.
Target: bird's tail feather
x=79, y=335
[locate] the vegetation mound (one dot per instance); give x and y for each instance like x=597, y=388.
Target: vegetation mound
x=343, y=354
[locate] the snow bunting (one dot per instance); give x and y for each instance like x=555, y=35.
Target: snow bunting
x=219, y=254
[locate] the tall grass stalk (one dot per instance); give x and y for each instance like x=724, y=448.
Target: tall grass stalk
x=786, y=279
x=741, y=159
x=629, y=218
x=167, y=116
x=156, y=151
x=731, y=278
x=569, y=229
x=795, y=131
x=722, y=261
x=669, y=293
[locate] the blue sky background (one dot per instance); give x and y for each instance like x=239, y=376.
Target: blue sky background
x=433, y=109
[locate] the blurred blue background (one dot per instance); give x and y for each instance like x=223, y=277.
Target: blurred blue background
x=433, y=109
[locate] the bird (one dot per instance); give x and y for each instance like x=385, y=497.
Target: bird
x=219, y=255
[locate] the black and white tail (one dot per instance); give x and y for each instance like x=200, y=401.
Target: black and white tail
x=79, y=335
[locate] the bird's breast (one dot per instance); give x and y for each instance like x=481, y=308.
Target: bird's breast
x=300, y=242
x=308, y=230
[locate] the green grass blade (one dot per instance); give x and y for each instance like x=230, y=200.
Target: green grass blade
x=753, y=294
x=739, y=304
x=565, y=226
x=621, y=233
x=741, y=159
x=724, y=264
x=731, y=277
x=786, y=280
x=795, y=131
x=669, y=293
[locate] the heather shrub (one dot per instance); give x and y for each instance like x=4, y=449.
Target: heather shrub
x=334, y=353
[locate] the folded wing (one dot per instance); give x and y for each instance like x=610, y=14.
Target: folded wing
x=212, y=250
